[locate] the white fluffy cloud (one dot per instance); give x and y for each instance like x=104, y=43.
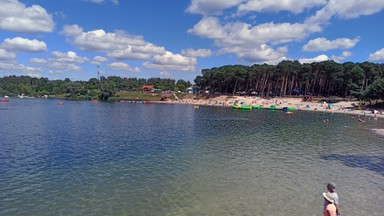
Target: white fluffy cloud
x=343, y=56
x=238, y=33
x=6, y=55
x=61, y=62
x=377, y=56
x=98, y=60
x=319, y=58
x=164, y=74
x=322, y=44
x=38, y=61
x=203, y=53
x=124, y=54
x=294, y=6
x=123, y=67
x=258, y=54
x=354, y=8
x=246, y=40
x=347, y=9
x=68, y=57
x=250, y=43
x=207, y=7
x=122, y=46
x=20, y=68
x=16, y=17
x=118, y=45
x=19, y=44
x=99, y=40
x=211, y=6
x=64, y=66
x=172, y=61
x=342, y=8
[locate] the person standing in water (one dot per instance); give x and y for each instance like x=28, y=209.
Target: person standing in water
x=331, y=187
x=329, y=207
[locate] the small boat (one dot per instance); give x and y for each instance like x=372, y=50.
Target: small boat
x=94, y=101
x=289, y=109
x=272, y=107
x=5, y=100
x=242, y=107
x=60, y=103
x=257, y=107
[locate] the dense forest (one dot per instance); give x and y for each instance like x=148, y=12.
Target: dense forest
x=363, y=81
x=101, y=89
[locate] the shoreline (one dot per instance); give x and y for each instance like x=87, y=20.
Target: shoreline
x=342, y=107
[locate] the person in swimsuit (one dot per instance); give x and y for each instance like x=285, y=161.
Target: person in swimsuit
x=330, y=208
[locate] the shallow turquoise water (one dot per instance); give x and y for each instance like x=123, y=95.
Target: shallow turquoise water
x=85, y=158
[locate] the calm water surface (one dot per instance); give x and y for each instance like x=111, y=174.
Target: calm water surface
x=85, y=158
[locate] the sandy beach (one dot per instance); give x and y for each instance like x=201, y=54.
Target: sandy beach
x=339, y=107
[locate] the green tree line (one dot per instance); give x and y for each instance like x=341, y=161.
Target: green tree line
x=364, y=81
x=328, y=78
x=94, y=88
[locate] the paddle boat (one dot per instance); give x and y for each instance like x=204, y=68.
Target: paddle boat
x=288, y=109
x=242, y=107
x=272, y=107
x=257, y=107
x=5, y=99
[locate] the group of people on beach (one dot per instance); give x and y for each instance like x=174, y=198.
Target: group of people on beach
x=331, y=201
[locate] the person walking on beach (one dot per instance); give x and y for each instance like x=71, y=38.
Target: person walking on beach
x=331, y=187
x=329, y=208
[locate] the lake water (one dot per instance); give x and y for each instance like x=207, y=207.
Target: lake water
x=84, y=158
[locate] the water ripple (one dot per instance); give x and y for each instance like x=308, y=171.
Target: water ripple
x=136, y=159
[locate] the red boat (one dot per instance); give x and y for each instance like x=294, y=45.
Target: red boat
x=4, y=100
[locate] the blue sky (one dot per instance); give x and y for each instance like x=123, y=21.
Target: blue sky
x=178, y=38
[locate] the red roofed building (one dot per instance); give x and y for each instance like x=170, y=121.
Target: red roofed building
x=147, y=88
